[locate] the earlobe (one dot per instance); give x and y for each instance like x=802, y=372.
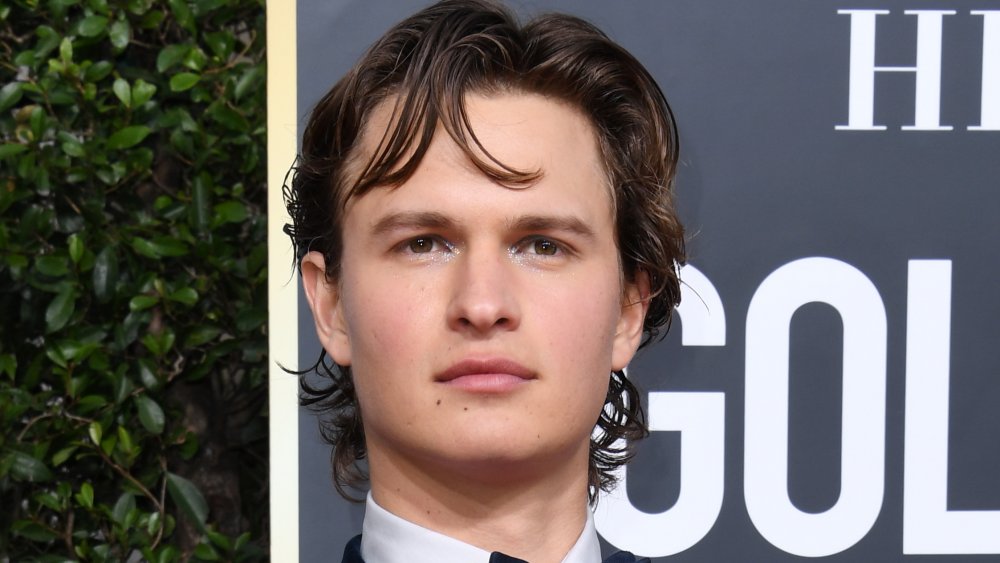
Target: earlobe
x=324, y=301
x=628, y=332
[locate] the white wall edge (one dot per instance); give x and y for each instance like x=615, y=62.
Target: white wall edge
x=282, y=285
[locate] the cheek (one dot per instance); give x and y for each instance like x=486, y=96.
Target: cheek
x=386, y=314
x=580, y=321
x=581, y=316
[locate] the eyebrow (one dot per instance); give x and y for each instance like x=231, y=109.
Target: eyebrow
x=434, y=220
x=412, y=220
x=553, y=223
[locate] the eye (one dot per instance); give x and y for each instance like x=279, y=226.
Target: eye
x=545, y=247
x=541, y=247
x=424, y=245
x=421, y=245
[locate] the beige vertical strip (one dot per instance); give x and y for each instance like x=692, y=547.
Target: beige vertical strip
x=282, y=287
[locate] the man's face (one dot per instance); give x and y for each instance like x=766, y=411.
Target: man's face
x=482, y=322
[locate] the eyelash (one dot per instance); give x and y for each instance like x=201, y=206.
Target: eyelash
x=406, y=246
x=522, y=247
x=528, y=243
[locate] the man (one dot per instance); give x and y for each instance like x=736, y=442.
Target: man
x=484, y=221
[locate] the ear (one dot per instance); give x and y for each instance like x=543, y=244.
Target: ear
x=628, y=331
x=327, y=310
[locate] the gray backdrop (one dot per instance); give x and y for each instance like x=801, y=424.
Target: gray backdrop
x=834, y=252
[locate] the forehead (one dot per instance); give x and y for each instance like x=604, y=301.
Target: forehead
x=503, y=133
x=541, y=136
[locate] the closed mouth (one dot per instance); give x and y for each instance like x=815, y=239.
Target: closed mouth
x=484, y=367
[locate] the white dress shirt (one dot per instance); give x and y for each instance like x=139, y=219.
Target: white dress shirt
x=387, y=538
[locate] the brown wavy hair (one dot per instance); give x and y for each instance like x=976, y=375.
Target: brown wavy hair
x=426, y=66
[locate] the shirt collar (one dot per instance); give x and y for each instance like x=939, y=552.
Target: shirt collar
x=387, y=538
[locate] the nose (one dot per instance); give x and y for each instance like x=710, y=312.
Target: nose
x=483, y=299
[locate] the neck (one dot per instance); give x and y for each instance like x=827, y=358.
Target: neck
x=535, y=514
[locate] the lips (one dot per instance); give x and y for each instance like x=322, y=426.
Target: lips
x=489, y=375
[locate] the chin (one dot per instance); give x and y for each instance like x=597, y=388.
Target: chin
x=501, y=458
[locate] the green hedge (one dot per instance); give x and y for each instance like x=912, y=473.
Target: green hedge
x=132, y=280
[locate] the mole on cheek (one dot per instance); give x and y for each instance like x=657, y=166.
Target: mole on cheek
x=439, y=401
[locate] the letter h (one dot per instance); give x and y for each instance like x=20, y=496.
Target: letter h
x=861, y=101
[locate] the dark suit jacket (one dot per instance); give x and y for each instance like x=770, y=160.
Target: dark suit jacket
x=352, y=554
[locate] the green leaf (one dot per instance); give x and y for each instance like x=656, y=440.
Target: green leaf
x=32, y=531
x=8, y=365
x=53, y=266
x=108, y=444
x=62, y=455
x=55, y=355
x=142, y=92
x=145, y=248
x=227, y=116
x=105, y=274
x=119, y=34
x=91, y=403
x=73, y=148
x=123, y=91
x=219, y=540
x=206, y=552
x=150, y=414
x=96, y=431
x=171, y=55
x=187, y=496
x=37, y=121
x=201, y=335
x=241, y=541
x=48, y=40
x=169, y=246
x=205, y=6
x=27, y=468
x=60, y=6
x=159, y=344
x=60, y=309
x=182, y=13
x=10, y=94
x=128, y=137
x=247, y=81
x=124, y=505
x=185, y=295
x=76, y=349
x=201, y=189
x=10, y=149
x=123, y=387
x=85, y=497
x=142, y=302
x=250, y=318
x=195, y=59
x=49, y=500
x=92, y=26
x=230, y=212
x=98, y=71
x=66, y=50
x=75, y=247
x=183, y=81
x=125, y=442
x=147, y=374
x=221, y=43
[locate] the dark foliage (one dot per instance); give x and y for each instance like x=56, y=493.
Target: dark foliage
x=132, y=280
